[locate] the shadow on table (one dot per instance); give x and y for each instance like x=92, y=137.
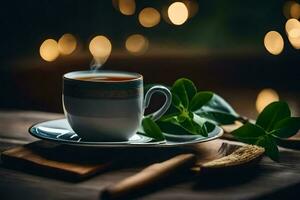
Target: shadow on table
x=226, y=178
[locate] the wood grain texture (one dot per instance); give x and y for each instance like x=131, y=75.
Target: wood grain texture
x=14, y=125
x=270, y=180
x=27, y=158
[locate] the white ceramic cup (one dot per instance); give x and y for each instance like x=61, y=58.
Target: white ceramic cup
x=108, y=110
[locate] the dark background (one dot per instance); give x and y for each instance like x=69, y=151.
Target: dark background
x=220, y=48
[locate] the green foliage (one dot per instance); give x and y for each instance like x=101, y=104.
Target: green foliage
x=152, y=129
x=273, y=122
x=218, y=111
x=287, y=127
x=199, y=100
x=186, y=100
x=197, y=112
x=272, y=114
x=194, y=112
x=183, y=90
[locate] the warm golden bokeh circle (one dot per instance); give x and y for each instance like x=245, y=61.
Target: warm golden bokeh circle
x=291, y=9
x=100, y=47
x=149, y=17
x=178, y=13
x=137, y=44
x=291, y=24
x=265, y=97
x=127, y=7
x=273, y=42
x=292, y=28
x=49, y=50
x=67, y=44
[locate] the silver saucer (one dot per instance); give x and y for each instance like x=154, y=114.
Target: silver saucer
x=59, y=131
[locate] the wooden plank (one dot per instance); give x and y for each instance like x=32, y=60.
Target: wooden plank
x=30, y=157
x=271, y=178
x=241, y=186
x=246, y=185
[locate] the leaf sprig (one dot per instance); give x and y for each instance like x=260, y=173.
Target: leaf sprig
x=197, y=112
x=274, y=122
x=191, y=112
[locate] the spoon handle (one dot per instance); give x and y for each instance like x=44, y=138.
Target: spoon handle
x=152, y=174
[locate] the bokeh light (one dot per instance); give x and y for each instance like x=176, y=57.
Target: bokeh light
x=273, y=42
x=178, y=13
x=49, y=50
x=67, y=44
x=100, y=47
x=292, y=28
x=127, y=7
x=137, y=44
x=149, y=17
x=295, y=10
x=291, y=24
x=295, y=42
x=291, y=9
x=265, y=97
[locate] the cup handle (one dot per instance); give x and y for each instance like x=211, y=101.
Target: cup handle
x=161, y=89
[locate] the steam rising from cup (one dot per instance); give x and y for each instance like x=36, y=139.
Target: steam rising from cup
x=100, y=47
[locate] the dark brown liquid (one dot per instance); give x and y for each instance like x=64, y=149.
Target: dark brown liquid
x=105, y=78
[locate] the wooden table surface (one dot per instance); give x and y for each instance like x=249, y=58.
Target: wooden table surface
x=271, y=181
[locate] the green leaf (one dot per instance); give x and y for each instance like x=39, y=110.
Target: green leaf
x=216, y=117
x=182, y=118
x=249, y=133
x=176, y=102
x=218, y=111
x=218, y=103
x=194, y=124
x=200, y=99
x=254, y=134
x=168, y=117
x=177, y=128
x=184, y=122
x=270, y=146
x=208, y=127
x=152, y=129
x=272, y=114
x=185, y=90
x=174, y=128
x=287, y=127
x=191, y=126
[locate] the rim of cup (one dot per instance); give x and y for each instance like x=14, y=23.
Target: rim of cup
x=72, y=76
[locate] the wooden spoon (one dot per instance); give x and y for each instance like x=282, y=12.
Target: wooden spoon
x=210, y=155
x=230, y=156
x=148, y=176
